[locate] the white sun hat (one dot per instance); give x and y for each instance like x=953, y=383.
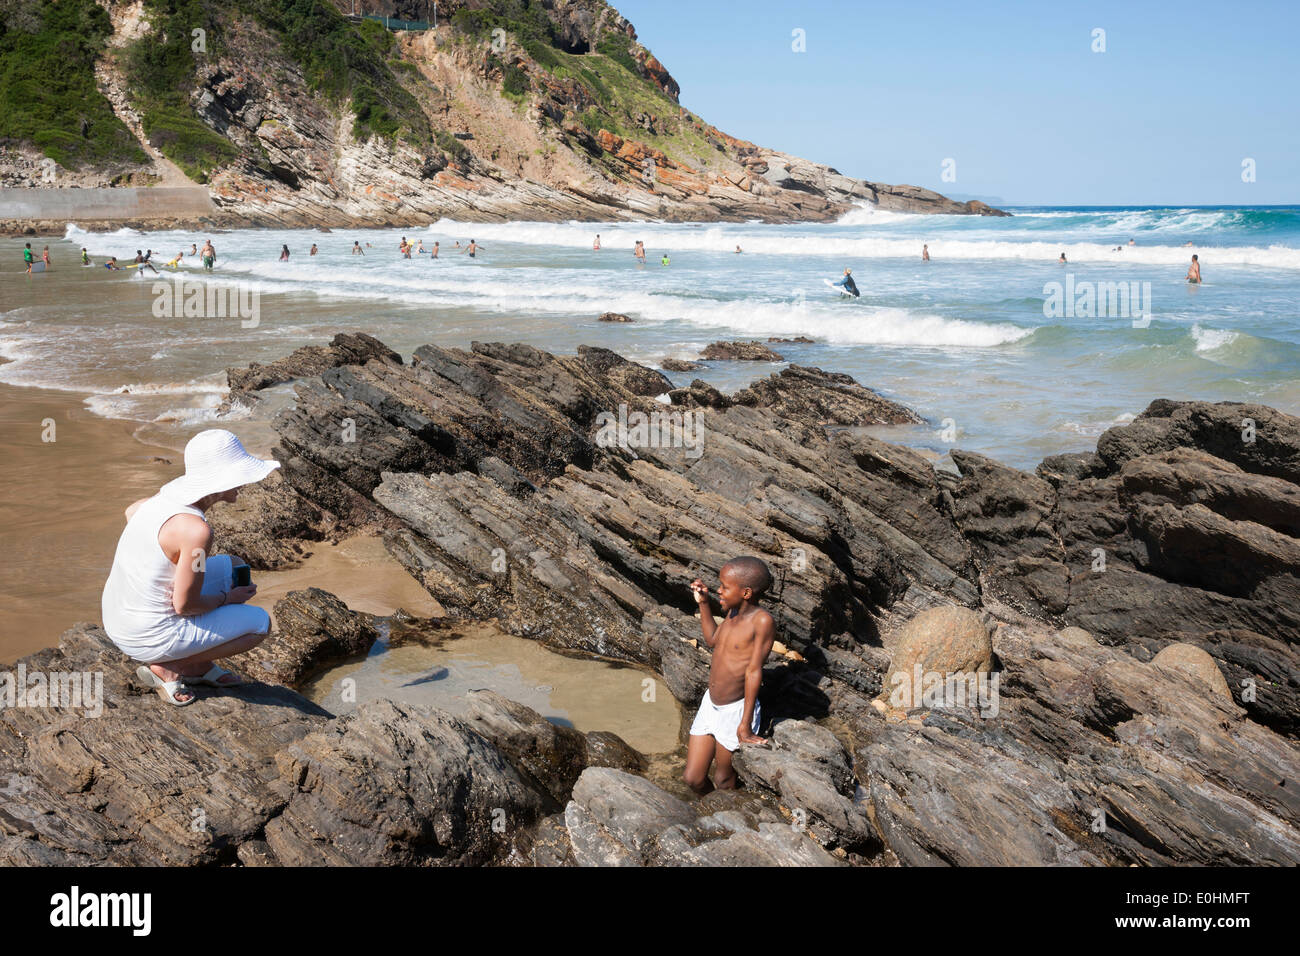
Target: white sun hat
x=215, y=461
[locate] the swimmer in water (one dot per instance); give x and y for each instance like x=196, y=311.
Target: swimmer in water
x=472, y=248
x=1194, y=271
x=925, y=253
x=1062, y=259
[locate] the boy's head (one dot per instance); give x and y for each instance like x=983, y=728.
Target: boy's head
x=742, y=579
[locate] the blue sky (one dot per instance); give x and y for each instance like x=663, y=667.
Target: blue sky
x=1012, y=92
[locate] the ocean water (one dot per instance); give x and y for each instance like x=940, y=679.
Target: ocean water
x=979, y=340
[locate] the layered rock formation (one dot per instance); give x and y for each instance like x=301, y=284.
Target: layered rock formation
x=1054, y=733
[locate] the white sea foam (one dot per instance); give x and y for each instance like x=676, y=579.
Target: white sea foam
x=967, y=241
x=1207, y=340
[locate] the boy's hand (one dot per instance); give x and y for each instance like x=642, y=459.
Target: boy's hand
x=701, y=592
x=745, y=737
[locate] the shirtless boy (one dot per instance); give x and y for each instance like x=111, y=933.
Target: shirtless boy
x=729, y=712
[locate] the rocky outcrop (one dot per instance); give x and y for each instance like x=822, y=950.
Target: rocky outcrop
x=679, y=365
x=617, y=819
x=494, y=478
x=346, y=348
x=740, y=351
x=1180, y=528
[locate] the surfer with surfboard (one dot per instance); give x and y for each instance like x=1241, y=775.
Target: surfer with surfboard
x=847, y=283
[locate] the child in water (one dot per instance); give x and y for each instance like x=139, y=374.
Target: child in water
x=729, y=712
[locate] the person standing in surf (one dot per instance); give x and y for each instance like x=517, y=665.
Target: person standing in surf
x=141, y=262
x=209, y=255
x=925, y=253
x=27, y=257
x=1194, y=271
x=472, y=248
x=595, y=246
x=848, y=284
x=284, y=253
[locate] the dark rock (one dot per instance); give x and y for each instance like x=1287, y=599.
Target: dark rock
x=553, y=756
x=811, y=773
x=143, y=783
x=455, y=801
x=613, y=317
x=816, y=397
x=346, y=348
x=313, y=630
x=616, y=819
x=680, y=365
x=740, y=352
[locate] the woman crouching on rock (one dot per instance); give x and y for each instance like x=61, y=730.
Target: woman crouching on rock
x=168, y=602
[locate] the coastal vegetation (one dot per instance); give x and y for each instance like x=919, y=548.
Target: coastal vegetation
x=48, y=96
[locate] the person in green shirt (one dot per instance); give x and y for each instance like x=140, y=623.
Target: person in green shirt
x=664, y=260
x=27, y=257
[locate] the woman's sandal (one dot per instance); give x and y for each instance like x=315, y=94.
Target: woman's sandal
x=167, y=689
x=213, y=678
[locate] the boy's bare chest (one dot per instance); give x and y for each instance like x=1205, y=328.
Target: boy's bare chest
x=735, y=638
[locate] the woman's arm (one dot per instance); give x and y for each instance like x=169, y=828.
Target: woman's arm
x=185, y=539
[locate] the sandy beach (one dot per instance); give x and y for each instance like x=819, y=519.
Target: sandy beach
x=63, y=512
x=60, y=522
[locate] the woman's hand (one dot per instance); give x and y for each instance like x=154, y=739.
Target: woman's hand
x=241, y=595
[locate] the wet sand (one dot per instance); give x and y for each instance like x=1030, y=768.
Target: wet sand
x=62, y=510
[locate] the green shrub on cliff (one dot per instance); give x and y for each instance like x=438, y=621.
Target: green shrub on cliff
x=161, y=72
x=345, y=61
x=48, y=96
x=618, y=48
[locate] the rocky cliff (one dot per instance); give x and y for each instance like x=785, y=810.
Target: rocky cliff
x=511, y=109
x=1132, y=610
